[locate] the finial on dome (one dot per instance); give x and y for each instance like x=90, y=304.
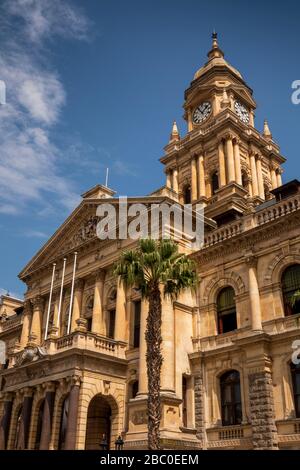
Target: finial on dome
x=215, y=51
x=175, y=133
x=215, y=39
x=267, y=133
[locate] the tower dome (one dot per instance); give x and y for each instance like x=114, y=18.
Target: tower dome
x=216, y=59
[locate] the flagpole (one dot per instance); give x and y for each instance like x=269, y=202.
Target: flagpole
x=49, y=304
x=61, y=293
x=72, y=293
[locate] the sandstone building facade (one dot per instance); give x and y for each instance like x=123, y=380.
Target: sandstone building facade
x=75, y=372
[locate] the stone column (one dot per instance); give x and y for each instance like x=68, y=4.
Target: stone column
x=168, y=345
x=201, y=177
x=26, y=324
x=230, y=159
x=98, y=325
x=253, y=175
x=77, y=303
x=264, y=431
x=208, y=186
x=261, y=189
x=222, y=167
x=278, y=176
x=143, y=379
x=70, y=441
x=25, y=420
x=194, y=179
x=47, y=416
x=237, y=161
x=168, y=179
x=175, y=180
x=53, y=330
x=36, y=323
x=120, y=333
x=273, y=176
x=5, y=420
x=254, y=298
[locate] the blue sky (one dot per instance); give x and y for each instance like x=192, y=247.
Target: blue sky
x=97, y=83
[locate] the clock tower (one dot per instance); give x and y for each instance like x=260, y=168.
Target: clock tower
x=223, y=161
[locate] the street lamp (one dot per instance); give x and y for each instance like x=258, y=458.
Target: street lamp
x=103, y=443
x=119, y=443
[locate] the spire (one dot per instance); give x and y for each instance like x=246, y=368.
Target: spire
x=174, y=136
x=267, y=133
x=215, y=50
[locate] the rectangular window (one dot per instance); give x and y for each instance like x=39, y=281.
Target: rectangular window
x=136, y=324
x=111, y=323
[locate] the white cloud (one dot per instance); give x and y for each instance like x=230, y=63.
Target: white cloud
x=29, y=160
x=42, y=98
x=43, y=18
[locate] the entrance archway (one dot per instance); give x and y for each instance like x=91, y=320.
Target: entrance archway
x=98, y=423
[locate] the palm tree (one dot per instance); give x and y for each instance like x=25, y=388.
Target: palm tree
x=156, y=268
x=295, y=298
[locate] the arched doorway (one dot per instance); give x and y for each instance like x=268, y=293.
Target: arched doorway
x=98, y=423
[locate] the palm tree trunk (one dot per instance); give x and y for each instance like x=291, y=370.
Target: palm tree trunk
x=154, y=362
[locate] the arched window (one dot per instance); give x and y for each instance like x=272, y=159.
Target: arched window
x=290, y=284
x=231, y=406
x=187, y=195
x=226, y=310
x=295, y=370
x=214, y=182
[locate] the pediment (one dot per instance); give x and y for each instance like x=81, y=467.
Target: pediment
x=78, y=229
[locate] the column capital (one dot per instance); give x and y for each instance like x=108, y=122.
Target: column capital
x=279, y=171
x=259, y=157
x=7, y=396
x=229, y=136
x=75, y=380
x=272, y=166
x=236, y=140
x=27, y=307
x=27, y=392
x=79, y=284
x=49, y=386
x=37, y=302
x=251, y=260
x=100, y=275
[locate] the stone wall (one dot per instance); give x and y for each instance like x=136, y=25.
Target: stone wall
x=262, y=411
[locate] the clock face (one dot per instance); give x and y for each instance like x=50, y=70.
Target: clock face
x=202, y=112
x=242, y=112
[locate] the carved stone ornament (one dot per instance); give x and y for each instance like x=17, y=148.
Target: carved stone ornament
x=139, y=417
x=31, y=354
x=86, y=232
